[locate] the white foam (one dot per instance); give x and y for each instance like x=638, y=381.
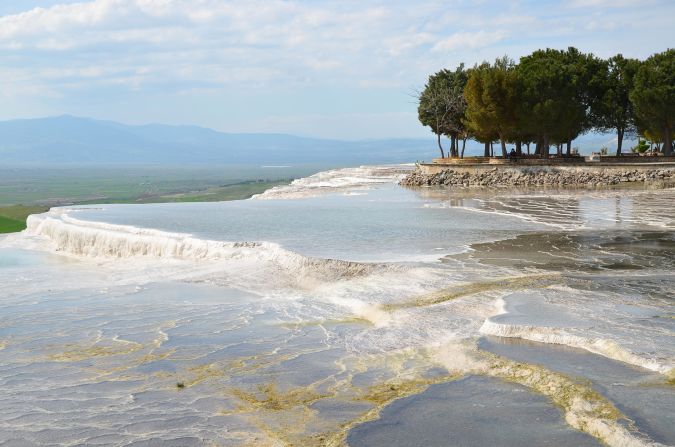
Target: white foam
x=102, y=240
x=556, y=335
x=346, y=179
x=372, y=312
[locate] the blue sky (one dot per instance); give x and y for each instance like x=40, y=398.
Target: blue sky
x=339, y=69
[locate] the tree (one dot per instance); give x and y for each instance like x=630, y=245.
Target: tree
x=456, y=128
x=585, y=72
x=490, y=95
x=434, y=107
x=553, y=99
x=641, y=147
x=653, y=96
x=442, y=105
x=613, y=110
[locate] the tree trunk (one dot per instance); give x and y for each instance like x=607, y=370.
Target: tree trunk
x=558, y=149
x=519, y=147
x=463, y=147
x=619, y=141
x=667, y=142
x=546, y=147
x=503, y=146
x=568, y=151
x=487, y=149
x=453, y=146
x=438, y=135
x=492, y=149
x=528, y=148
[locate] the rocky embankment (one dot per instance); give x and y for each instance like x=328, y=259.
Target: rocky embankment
x=507, y=177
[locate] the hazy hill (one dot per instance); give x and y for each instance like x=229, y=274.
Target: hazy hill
x=68, y=139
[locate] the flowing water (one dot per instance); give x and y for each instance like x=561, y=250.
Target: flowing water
x=344, y=309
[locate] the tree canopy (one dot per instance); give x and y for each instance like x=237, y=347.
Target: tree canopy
x=442, y=105
x=554, y=95
x=551, y=97
x=613, y=110
x=653, y=97
x=491, y=97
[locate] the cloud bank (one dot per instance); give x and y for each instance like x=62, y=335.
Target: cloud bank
x=256, y=65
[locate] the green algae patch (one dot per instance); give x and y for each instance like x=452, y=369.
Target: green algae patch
x=99, y=348
x=201, y=373
x=670, y=376
x=291, y=409
x=282, y=416
x=269, y=397
x=154, y=357
x=241, y=366
x=77, y=353
x=292, y=417
x=385, y=393
x=327, y=322
x=568, y=394
x=452, y=293
x=248, y=364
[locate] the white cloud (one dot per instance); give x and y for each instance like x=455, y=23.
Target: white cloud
x=140, y=51
x=471, y=40
x=601, y=25
x=251, y=41
x=609, y=3
x=408, y=42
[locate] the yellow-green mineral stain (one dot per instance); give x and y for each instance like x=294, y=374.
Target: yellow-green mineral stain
x=452, y=293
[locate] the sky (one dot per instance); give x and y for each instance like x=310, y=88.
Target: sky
x=333, y=69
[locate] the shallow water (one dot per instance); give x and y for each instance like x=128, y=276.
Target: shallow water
x=640, y=395
x=475, y=411
x=294, y=319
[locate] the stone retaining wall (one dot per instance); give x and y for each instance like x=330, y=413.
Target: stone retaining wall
x=632, y=159
x=506, y=176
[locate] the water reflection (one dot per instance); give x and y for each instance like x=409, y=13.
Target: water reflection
x=566, y=209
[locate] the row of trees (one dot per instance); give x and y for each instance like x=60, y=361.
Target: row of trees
x=549, y=98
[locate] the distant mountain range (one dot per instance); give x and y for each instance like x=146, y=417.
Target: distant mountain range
x=69, y=139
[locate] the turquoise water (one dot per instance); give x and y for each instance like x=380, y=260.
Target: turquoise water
x=388, y=224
